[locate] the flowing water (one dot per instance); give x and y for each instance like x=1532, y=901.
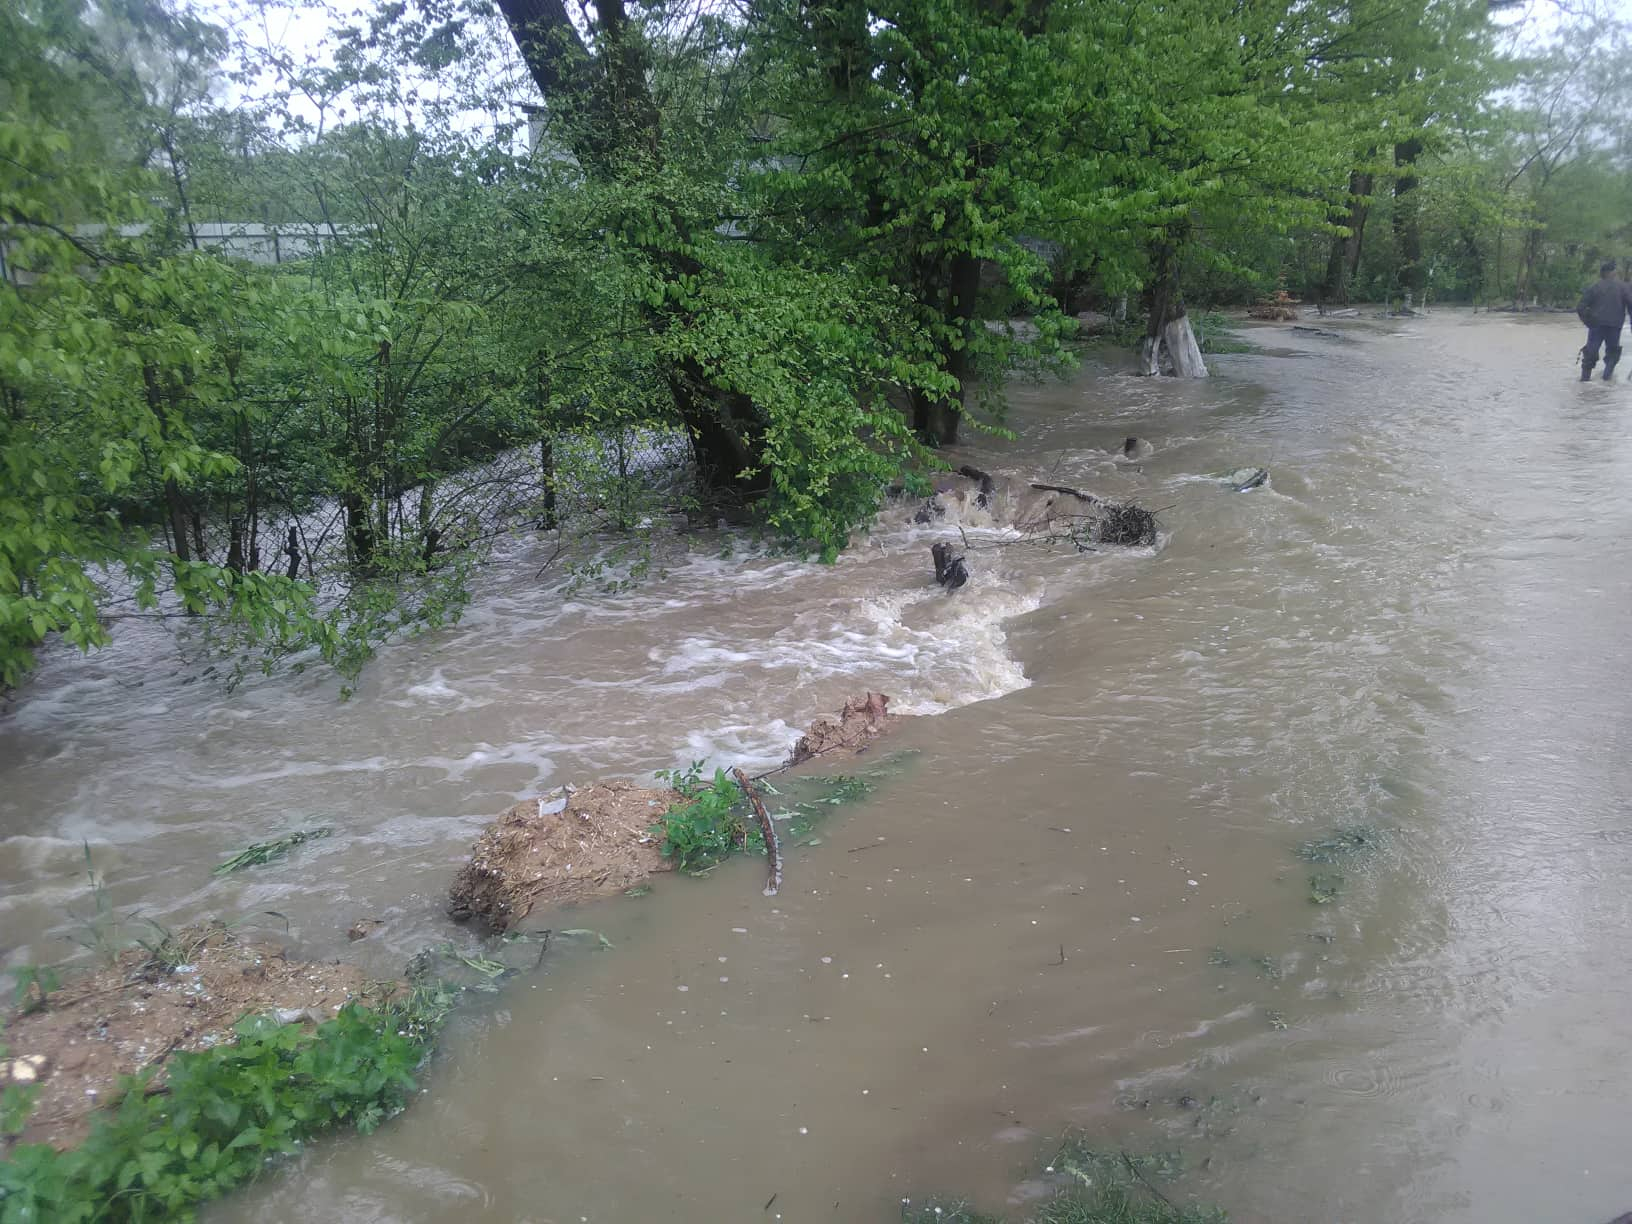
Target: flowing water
x=1072, y=897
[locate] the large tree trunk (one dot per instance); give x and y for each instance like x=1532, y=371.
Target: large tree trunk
x=175, y=505
x=1407, y=224
x=359, y=527
x=1167, y=325
x=603, y=106
x=724, y=431
x=1344, y=260
x=936, y=418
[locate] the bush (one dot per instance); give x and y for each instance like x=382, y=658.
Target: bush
x=223, y=1115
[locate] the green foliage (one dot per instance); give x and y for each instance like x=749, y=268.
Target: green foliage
x=226, y=1112
x=708, y=827
x=779, y=235
x=1213, y=334
x=100, y=930
x=1325, y=887
x=712, y=823
x=16, y=1103
x=688, y=781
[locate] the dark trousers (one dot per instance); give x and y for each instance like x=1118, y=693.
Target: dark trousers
x=1607, y=338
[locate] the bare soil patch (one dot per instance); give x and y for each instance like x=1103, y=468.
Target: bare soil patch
x=573, y=844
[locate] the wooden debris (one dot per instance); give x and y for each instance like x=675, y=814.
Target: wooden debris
x=862, y=720
x=773, y=851
x=1076, y=493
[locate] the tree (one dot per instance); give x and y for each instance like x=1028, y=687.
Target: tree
x=107, y=354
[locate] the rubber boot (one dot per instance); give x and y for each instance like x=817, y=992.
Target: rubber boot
x=1612, y=357
x=1586, y=369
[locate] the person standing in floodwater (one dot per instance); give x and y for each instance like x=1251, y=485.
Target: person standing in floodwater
x=1603, y=308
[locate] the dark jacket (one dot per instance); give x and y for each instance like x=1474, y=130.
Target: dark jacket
x=1605, y=302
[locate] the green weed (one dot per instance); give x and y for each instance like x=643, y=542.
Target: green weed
x=100, y=931
x=31, y=985
x=260, y=853
x=1325, y=887
x=1213, y=334
x=708, y=827
x=168, y=950
x=712, y=823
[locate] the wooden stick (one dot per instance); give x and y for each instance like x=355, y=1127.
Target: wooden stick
x=773, y=852
x=1077, y=493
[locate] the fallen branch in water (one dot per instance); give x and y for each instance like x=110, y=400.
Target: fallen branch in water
x=773, y=852
x=1077, y=493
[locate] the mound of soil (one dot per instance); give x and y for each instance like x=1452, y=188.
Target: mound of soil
x=134, y=1014
x=862, y=720
x=580, y=843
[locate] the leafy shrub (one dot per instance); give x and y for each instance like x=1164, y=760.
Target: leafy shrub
x=225, y=1113
x=707, y=827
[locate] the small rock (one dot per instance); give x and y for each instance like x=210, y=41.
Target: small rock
x=363, y=928
x=29, y=1069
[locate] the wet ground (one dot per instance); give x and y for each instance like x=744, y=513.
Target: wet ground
x=1073, y=897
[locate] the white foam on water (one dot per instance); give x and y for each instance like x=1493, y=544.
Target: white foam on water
x=930, y=650
x=539, y=757
x=750, y=745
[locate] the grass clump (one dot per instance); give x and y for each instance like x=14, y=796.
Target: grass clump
x=1325, y=887
x=261, y=853
x=1092, y=1187
x=225, y=1113
x=1213, y=334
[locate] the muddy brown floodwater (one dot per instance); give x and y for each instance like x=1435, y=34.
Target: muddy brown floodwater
x=1077, y=902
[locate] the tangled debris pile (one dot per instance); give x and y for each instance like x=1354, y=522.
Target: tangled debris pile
x=72, y=1044
x=862, y=720
x=1042, y=513
x=567, y=845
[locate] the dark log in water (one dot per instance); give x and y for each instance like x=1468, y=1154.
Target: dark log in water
x=950, y=571
x=1076, y=493
x=1252, y=482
